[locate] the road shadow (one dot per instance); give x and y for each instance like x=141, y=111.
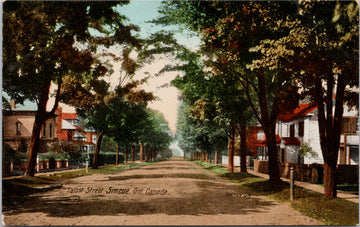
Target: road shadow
x=169, y=175
x=167, y=168
x=211, y=197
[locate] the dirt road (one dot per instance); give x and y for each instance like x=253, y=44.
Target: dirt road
x=164, y=193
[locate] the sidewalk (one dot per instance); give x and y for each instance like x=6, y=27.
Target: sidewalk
x=312, y=187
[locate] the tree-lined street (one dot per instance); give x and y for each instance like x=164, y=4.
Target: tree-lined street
x=251, y=63
x=165, y=193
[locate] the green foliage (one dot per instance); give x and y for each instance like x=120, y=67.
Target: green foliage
x=10, y=155
x=165, y=154
x=108, y=145
x=64, y=147
x=53, y=156
x=51, y=47
x=125, y=120
x=194, y=136
x=306, y=150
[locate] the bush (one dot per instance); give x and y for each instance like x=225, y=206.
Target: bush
x=77, y=156
x=10, y=155
x=106, y=158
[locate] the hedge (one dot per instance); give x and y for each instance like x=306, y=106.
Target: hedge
x=106, y=158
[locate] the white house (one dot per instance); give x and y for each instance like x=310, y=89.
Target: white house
x=301, y=126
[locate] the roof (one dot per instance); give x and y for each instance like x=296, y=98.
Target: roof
x=298, y=112
x=291, y=141
x=78, y=128
x=69, y=116
x=67, y=125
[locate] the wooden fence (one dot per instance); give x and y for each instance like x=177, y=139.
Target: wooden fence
x=314, y=173
x=18, y=168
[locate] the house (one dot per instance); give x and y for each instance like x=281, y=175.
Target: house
x=257, y=142
x=18, y=125
x=299, y=128
x=69, y=130
x=295, y=128
x=17, y=129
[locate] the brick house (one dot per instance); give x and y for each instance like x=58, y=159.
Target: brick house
x=257, y=142
x=69, y=130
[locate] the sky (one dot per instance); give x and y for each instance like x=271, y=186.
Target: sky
x=139, y=13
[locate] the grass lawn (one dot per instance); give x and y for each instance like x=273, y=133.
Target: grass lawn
x=21, y=186
x=330, y=212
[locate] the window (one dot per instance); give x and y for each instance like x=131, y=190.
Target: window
x=44, y=130
x=50, y=128
x=292, y=130
x=94, y=138
x=18, y=128
x=301, y=129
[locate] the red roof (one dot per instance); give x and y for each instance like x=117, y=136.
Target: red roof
x=291, y=141
x=299, y=112
x=69, y=116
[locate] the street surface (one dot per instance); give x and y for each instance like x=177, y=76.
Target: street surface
x=164, y=193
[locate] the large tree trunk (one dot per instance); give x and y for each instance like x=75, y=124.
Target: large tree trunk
x=330, y=129
x=35, y=142
x=40, y=118
x=97, y=150
x=330, y=181
x=268, y=122
x=117, y=154
x=141, y=151
x=231, y=147
x=243, y=145
x=273, y=167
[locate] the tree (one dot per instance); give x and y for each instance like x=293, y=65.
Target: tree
x=159, y=136
x=126, y=120
x=217, y=99
x=229, y=29
x=321, y=50
x=45, y=41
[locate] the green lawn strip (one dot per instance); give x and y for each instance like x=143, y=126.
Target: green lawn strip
x=28, y=185
x=330, y=212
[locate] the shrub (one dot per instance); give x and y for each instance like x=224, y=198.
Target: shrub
x=10, y=155
x=53, y=155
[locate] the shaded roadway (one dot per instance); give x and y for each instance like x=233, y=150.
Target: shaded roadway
x=159, y=190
